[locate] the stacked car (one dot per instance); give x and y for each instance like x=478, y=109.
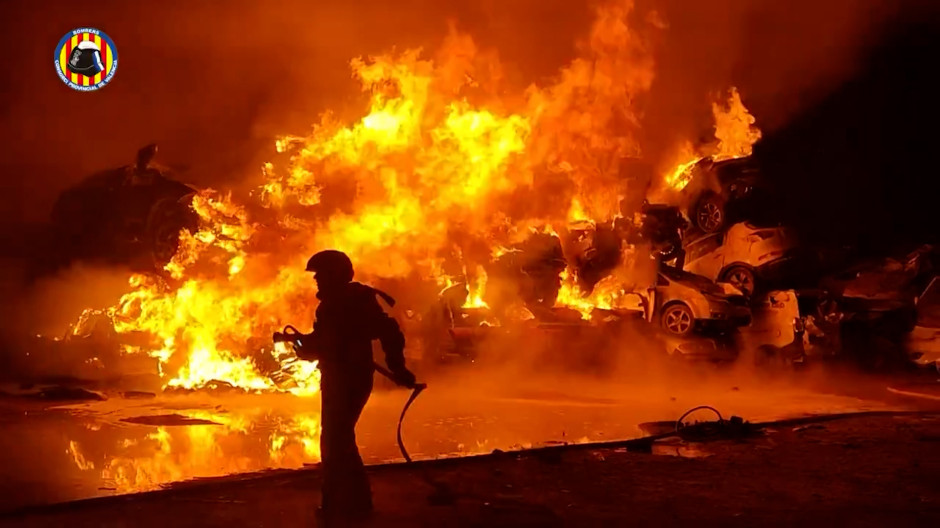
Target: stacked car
x=723, y=277
x=745, y=256
x=130, y=215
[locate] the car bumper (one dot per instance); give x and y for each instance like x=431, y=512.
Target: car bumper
x=731, y=316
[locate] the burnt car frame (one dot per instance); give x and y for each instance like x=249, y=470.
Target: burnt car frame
x=130, y=215
x=719, y=191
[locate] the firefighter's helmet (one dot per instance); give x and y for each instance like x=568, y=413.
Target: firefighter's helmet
x=85, y=59
x=331, y=264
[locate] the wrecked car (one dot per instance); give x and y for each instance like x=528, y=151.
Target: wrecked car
x=879, y=298
x=593, y=250
x=466, y=331
x=681, y=314
x=745, y=256
x=662, y=226
x=719, y=192
x=790, y=326
x=882, y=284
x=528, y=271
x=683, y=302
x=131, y=215
x=679, y=301
x=923, y=342
x=89, y=351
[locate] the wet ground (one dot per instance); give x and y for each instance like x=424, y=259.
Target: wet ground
x=870, y=470
x=53, y=452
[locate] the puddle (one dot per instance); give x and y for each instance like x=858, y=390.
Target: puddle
x=168, y=419
x=680, y=449
x=146, y=441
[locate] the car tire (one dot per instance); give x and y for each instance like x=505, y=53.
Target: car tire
x=709, y=213
x=677, y=319
x=742, y=278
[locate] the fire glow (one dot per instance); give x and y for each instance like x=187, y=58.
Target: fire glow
x=447, y=168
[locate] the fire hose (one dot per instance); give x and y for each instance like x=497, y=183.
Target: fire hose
x=291, y=335
x=416, y=389
x=442, y=493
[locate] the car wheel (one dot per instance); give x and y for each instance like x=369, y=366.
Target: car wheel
x=742, y=278
x=677, y=319
x=165, y=244
x=709, y=213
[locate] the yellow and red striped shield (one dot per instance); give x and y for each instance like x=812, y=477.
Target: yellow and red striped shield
x=108, y=59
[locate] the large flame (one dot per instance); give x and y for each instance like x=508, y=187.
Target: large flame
x=734, y=128
x=446, y=170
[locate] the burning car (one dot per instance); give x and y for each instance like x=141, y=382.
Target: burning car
x=129, y=215
x=663, y=226
x=719, y=191
x=533, y=268
x=682, y=314
x=744, y=256
x=558, y=329
x=90, y=351
x=679, y=301
x=593, y=250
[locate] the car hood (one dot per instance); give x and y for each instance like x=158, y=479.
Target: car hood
x=699, y=283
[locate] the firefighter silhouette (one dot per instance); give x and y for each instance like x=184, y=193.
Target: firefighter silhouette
x=348, y=318
x=85, y=59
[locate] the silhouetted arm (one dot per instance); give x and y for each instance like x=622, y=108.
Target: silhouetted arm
x=393, y=342
x=389, y=334
x=316, y=342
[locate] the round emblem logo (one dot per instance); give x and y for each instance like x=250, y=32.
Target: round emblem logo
x=86, y=59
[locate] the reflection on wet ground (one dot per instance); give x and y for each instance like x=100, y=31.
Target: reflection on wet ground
x=680, y=449
x=53, y=454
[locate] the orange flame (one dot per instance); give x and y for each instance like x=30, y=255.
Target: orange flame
x=445, y=156
x=734, y=128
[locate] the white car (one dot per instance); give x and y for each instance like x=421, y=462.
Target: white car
x=780, y=332
x=923, y=343
x=682, y=301
x=775, y=322
x=742, y=255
